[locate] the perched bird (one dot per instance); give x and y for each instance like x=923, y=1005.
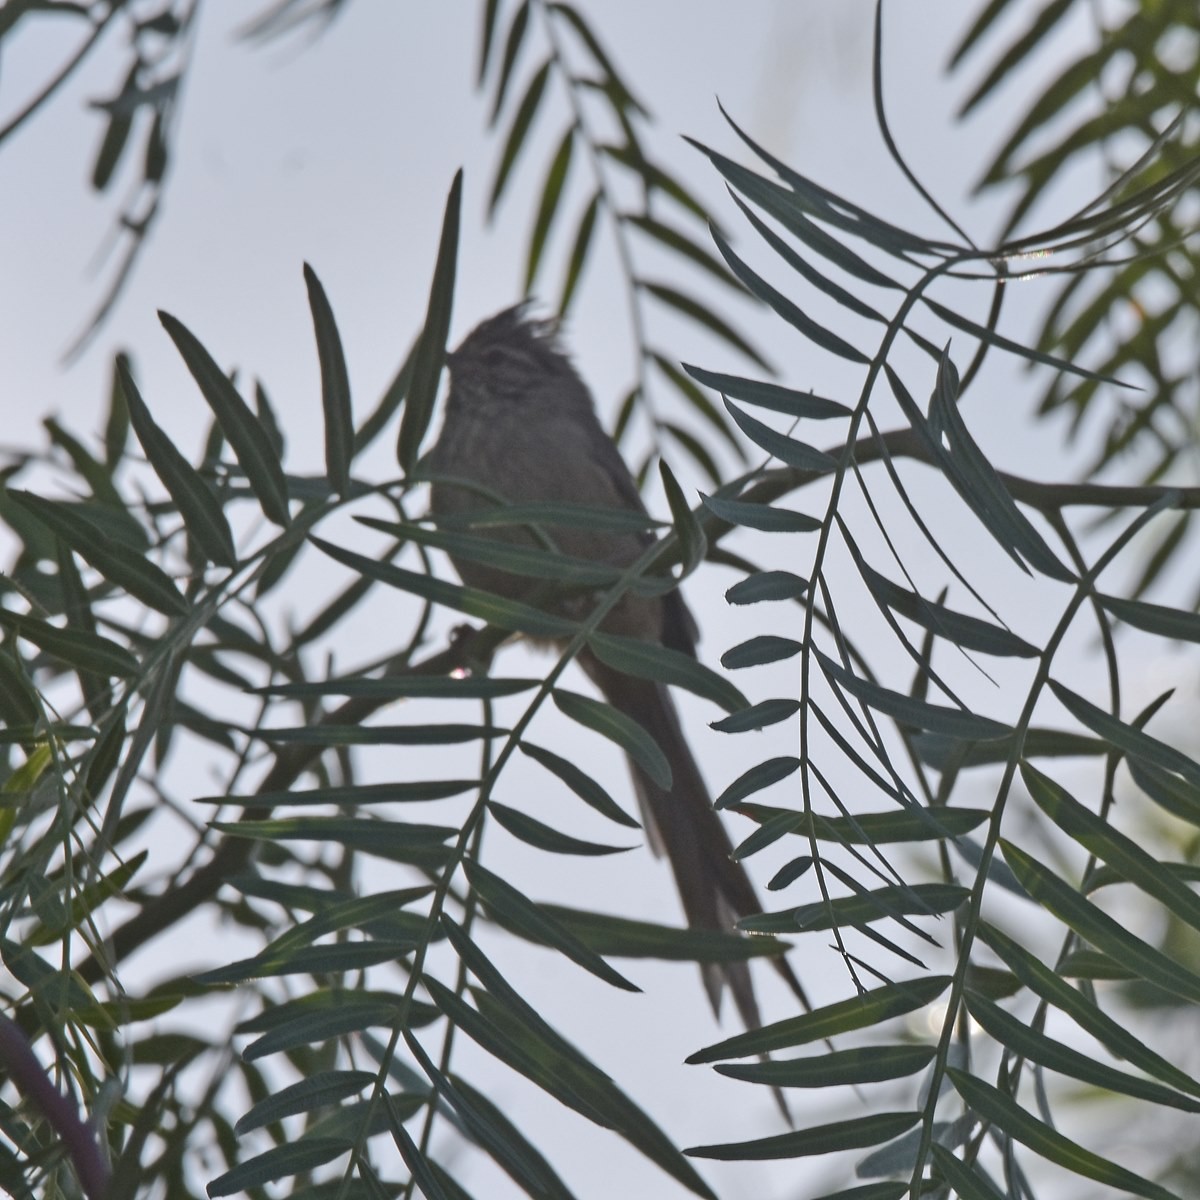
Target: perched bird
x=520, y=423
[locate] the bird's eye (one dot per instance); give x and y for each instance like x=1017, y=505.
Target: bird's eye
x=493, y=358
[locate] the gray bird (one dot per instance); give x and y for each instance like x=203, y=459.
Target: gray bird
x=521, y=424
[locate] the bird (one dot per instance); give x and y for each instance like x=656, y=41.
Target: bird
x=520, y=424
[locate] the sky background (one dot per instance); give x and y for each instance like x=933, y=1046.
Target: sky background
x=340, y=154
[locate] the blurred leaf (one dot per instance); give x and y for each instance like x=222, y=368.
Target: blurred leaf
x=692, y=309
x=116, y=562
x=552, y=190
x=623, y=937
x=757, y=716
x=83, y=650
x=512, y=48
x=579, y=251
x=318, y=1091
x=484, y=606
x=517, y=133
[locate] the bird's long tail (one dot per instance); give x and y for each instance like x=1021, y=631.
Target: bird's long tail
x=682, y=823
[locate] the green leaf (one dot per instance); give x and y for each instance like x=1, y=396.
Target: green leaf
x=430, y=354
x=1047, y=984
x=1159, y=619
x=398, y=841
x=281, y=1162
x=519, y=1157
x=767, y=585
x=968, y=1182
x=661, y=664
x=1179, y=798
x=859, y=1012
x=405, y=687
x=760, y=516
x=335, y=386
x=1098, y=928
x=321, y=1090
x=517, y=133
x=536, y=833
x=1126, y=737
x=691, y=537
x=852, y=1134
x=757, y=716
x=991, y=1104
x=581, y=783
x=879, y=904
x=882, y=828
x=80, y=649
x=954, y=722
x=787, y=309
x=770, y=395
x=969, y=472
x=1019, y=1038
x=201, y=511
x=118, y=563
x=522, y=916
x=308, y=960
x=552, y=189
x=613, y=724
x=789, y=451
x=865, y=1064
x=1124, y=855
x=243, y=430
x=765, y=648
x=760, y=776
x=511, y=1030
x=970, y=633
